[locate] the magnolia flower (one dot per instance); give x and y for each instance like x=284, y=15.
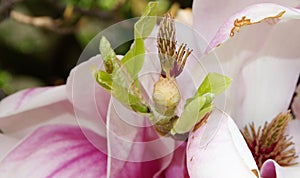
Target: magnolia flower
x=55, y=150
x=258, y=48
x=42, y=138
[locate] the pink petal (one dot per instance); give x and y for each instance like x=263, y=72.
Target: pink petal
x=6, y=144
x=178, y=168
x=217, y=149
x=271, y=169
x=263, y=61
x=26, y=110
x=31, y=99
x=55, y=151
x=89, y=99
x=209, y=15
x=68, y=151
x=136, y=136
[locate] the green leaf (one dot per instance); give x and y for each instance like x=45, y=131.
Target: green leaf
x=129, y=97
x=137, y=105
x=120, y=76
x=134, y=58
x=104, y=79
x=108, y=55
x=145, y=25
x=202, y=102
x=190, y=116
x=214, y=83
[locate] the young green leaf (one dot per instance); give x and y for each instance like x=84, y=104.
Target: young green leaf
x=104, y=79
x=190, y=116
x=214, y=83
x=108, y=55
x=137, y=105
x=144, y=27
x=134, y=58
x=129, y=97
x=118, y=81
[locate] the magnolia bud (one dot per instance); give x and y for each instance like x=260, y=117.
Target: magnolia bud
x=166, y=96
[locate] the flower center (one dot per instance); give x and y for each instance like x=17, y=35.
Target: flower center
x=270, y=142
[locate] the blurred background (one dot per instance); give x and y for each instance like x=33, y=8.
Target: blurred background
x=41, y=40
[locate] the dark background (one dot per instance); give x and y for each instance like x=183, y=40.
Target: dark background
x=38, y=55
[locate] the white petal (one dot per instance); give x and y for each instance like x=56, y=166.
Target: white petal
x=263, y=61
x=253, y=14
x=185, y=16
x=217, y=149
x=89, y=99
x=209, y=15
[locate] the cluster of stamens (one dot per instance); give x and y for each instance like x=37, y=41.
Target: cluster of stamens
x=172, y=60
x=270, y=142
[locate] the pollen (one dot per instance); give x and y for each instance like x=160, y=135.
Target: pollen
x=270, y=141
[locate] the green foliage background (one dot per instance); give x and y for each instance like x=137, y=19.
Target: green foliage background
x=34, y=56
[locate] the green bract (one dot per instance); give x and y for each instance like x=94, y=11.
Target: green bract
x=201, y=104
x=134, y=58
x=120, y=76
x=214, y=83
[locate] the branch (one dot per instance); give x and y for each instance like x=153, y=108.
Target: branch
x=44, y=22
x=86, y=12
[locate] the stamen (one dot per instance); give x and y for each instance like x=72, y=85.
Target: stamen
x=181, y=56
x=172, y=60
x=271, y=141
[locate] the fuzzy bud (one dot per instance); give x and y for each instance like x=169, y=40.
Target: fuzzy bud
x=166, y=96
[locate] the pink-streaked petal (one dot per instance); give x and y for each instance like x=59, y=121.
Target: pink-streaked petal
x=136, y=136
x=56, y=151
x=178, y=167
x=296, y=103
x=209, y=15
x=29, y=99
x=263, y=61
x=255, y=13
x=89, y=99
x=6, y=144
x=217, y=149
x=271, y=169
x=26, y=110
